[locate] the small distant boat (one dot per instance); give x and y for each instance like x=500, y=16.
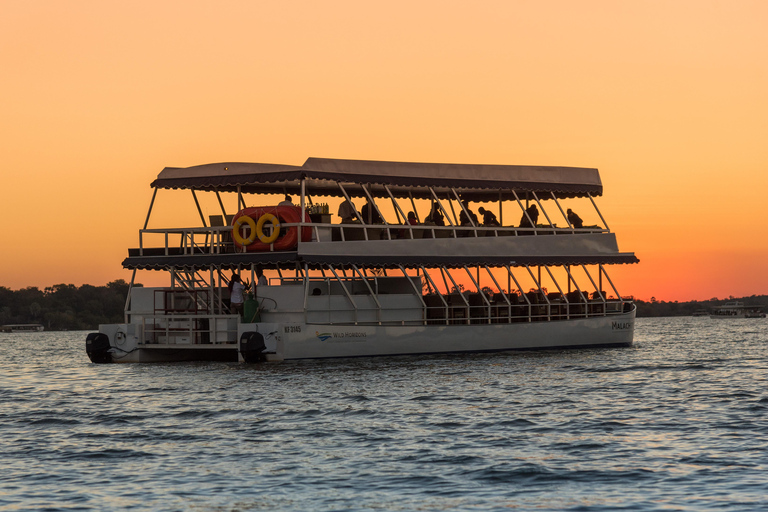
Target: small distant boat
x=737, y=310
x=22, y=328
x=701, y=312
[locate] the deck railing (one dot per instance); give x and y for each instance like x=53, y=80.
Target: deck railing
x=196, y=328
x=218, y=239
x=188, y=329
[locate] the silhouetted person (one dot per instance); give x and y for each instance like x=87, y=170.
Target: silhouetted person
x=410, y=221
x=574, y=219
x=489, y=218
x=436, y=216
x=467, y=215
x=371, y=214
x=533, y=214
x=347, y=212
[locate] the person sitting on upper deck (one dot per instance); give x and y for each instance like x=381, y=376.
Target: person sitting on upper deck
x=371, y=214
x=410, y=221
x=288, y=201
x=533, y=214
x=436, y=216
x=489, y=218
x=467, y=215
x=574, y=219
x=347, y=212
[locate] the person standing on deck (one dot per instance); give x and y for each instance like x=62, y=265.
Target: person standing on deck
x=236, y=294
x=371, y=214
x=261, y=280
x=347, y=212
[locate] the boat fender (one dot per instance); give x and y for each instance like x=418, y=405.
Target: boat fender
x=236, y=230
x=267, y=217
x=252, y=347
x=97, y=347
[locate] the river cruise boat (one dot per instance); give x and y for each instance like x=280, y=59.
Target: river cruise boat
x=737, y=310
x=22, y=328
x=407, y=267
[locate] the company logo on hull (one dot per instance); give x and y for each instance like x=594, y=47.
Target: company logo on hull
x=341, y=337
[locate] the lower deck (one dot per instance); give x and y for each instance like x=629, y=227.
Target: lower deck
x=351, y=311
x=300, y=340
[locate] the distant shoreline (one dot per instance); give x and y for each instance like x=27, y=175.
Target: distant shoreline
x=655, y=308
x=66, y=307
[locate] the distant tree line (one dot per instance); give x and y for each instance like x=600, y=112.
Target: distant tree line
x=64, y=306
x=662, y=308
x=68, y=307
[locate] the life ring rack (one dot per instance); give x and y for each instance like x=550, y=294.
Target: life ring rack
x=281, y=239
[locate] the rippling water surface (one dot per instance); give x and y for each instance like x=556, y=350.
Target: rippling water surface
x=678, y=422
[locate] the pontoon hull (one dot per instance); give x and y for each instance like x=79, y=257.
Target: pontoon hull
x=290, y=341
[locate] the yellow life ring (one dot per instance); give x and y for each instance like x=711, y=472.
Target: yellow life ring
x=268, y=217
x=243, y=242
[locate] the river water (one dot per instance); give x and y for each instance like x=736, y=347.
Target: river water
x=677, y=422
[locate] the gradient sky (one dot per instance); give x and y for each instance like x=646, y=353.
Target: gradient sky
x=668, y=99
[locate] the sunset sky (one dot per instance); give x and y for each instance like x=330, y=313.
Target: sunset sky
x=668, y=99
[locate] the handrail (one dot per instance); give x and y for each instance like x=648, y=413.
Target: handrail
x=211, y=240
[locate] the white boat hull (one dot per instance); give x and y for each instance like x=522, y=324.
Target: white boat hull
x=291, y=341
x=313, y=341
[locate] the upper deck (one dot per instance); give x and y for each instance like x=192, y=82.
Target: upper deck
x=382, y=235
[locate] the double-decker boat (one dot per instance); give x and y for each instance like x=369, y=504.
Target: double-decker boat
x=737, y=310
x=412, y=271
x=22, y=328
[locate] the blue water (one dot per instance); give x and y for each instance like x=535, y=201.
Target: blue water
x=678, y=422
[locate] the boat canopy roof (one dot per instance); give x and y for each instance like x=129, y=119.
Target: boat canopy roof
x=476, y=182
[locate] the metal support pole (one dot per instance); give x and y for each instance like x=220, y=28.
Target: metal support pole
x=151, y=204
x=303, y=209
x=536, y=198
x=598, y=212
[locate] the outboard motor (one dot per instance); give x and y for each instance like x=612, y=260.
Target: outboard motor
x=252, y=347
x=97, y=347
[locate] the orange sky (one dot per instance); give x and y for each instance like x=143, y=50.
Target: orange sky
x=667, y=99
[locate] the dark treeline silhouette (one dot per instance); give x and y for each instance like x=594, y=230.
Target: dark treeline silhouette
x=64, y=306
x=68, y=307
x=662, y=308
